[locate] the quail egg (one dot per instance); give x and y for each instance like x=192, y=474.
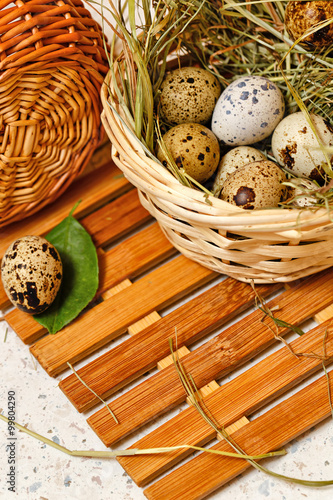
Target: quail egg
x=189, y=95
x=233, y=160
x=302, y=16
x=247, y=111
x=296, y=148
x=31, y=272
x=303, y=193
x=257, y=185
x=193, y=147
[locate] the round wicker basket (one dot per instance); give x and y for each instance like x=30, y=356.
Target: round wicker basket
x=52, y=66
x=262, y=246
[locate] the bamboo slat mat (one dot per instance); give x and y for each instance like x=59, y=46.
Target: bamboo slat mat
x=149, y=293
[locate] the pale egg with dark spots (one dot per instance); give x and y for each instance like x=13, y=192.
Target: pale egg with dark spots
x=304, y=193
x=194, y=148
x=31, y=272
x=254, y=186
x=303, y=16
x=247, y=111
x=233, y=160
x=188, y=95
x=296, y=148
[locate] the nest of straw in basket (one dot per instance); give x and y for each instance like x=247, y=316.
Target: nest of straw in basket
x=229, y=38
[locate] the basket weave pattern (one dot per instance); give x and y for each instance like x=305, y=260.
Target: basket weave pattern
x=263, y=246
x=52, y=65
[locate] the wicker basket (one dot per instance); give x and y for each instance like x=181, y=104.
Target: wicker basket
x=52, y=67
x=260, y=246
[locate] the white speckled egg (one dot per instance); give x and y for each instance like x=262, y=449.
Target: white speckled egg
x=296, y=148
x=233, y=160
x=257, y=185
x=247, y=111
x=188, y=95
x=31, y=272
x=193, y=147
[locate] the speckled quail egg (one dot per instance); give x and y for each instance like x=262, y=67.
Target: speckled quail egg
x=302, y=194
x=31, y=272
x=193, y=147
x=257, y=185
x=247, y=111
x=296, y=148
x=189, y=95
x=302, y=16
x=233, y=160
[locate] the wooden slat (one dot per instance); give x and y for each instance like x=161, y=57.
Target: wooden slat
x=143, y=323
x=94, y=190
x=85, y=335
x=126, y=260
x=324, y=315
x=4, y=300
x=116, y=219
x=241, y=396
x=231, y=348
x=205, y=473
x=234, y=427
x=116, y=289
x=134, y=256
x=168, y=360
x=100, y=157
x=135, y=356
x=204, y=391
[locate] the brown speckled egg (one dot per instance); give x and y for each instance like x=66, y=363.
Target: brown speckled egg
x=302, y=16
x=31, y=272
x=194, y=148
x=188, y=95
x=256, y=185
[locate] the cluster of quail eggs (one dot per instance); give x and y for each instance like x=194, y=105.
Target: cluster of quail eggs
x=214, y=136
x=204, y=121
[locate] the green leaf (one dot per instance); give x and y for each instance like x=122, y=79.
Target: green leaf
x=80, y=274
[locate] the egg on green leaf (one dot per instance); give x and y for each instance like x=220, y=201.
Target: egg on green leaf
x=31, y=272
